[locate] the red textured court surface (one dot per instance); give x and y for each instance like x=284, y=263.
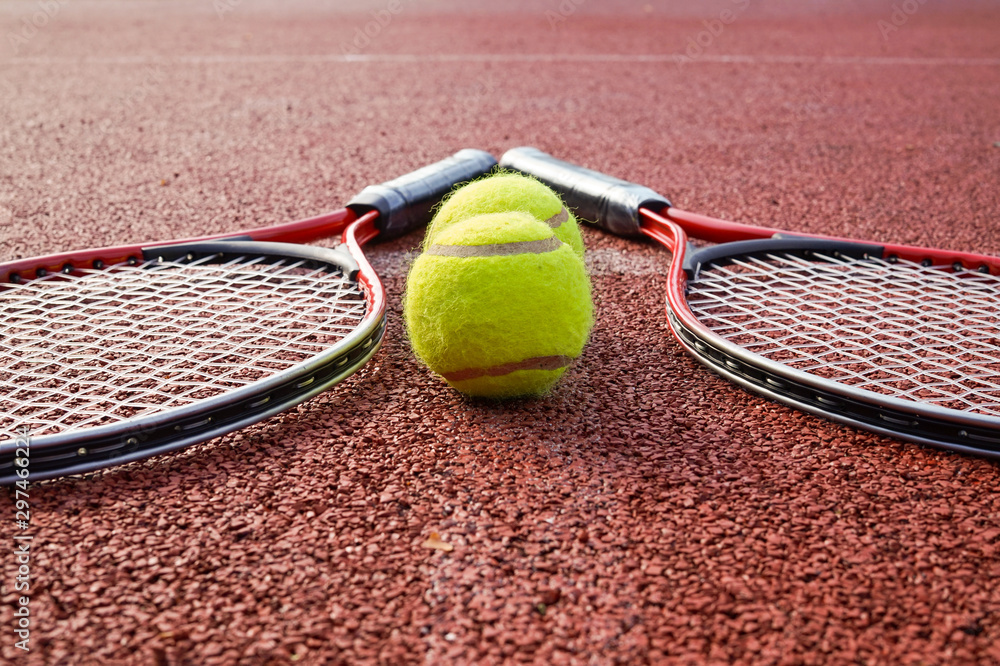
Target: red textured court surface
x=645, y=512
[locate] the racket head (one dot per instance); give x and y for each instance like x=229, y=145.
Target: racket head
x=112, y=355
x=193, y=341
x=847, y=331
x=899, y=340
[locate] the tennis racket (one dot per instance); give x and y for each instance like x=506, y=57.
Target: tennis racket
x=113, y=355
x=899, y=340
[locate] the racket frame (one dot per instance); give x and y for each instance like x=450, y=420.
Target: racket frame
x=88, y=449
x=918, y=422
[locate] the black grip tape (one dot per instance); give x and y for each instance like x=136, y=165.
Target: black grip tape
x=613, y=204
x=405, y=204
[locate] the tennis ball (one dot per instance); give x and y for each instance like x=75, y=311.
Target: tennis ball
x=498, y=305
x=506, y=192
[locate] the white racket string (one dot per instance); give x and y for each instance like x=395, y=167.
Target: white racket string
x=102, y=346
x=902, y=329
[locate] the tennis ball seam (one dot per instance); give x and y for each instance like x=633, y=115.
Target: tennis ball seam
x=534, y=363
x=507, y=191
x=496, y=249
x=558, y=219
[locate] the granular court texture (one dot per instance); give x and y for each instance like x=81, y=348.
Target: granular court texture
x=646, y=511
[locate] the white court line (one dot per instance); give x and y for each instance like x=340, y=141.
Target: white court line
x=513, y=58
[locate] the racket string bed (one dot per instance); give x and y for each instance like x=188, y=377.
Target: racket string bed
x=920, y=333
x=102, y=346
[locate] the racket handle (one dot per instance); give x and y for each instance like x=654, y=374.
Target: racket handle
x=613, y=204
x=405, y=204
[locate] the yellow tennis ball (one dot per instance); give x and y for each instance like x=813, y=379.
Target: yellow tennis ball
x=505, y=192
x=498, y=306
